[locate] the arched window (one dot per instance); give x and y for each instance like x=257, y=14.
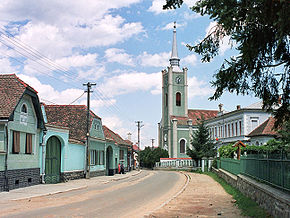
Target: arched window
x=182, y=146
x=24, y=108
x=166, y=100
x=178, y=99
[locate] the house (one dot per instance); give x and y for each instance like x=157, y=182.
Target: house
x=21, y=133
x=233, y=126
x=65, y=155
x=178, y=122
x=263, y=133
x=117, y=151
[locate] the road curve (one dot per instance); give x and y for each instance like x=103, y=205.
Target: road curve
x=132, y=197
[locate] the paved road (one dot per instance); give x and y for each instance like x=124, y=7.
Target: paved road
x=132, y=197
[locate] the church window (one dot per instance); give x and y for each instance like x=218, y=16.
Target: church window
x=166, y=99
x=178, y=99
x=182, y=146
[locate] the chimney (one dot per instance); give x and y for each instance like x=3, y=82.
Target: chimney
x=238, y=107
x=221, y=107
x=129, y=136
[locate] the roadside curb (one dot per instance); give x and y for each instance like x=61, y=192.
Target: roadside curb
x=173, y=197
x=50, y=193
x=73, y=189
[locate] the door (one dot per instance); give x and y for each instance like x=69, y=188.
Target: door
x=52, y=160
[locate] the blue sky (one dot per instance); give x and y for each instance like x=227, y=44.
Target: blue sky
x=122, y=46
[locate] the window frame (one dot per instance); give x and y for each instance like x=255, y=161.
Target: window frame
x=15, y=142
x=183, y=145
x=178, y=99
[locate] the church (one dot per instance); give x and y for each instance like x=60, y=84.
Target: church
x=178, y=122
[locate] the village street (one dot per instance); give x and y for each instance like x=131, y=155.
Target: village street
x=148, y=193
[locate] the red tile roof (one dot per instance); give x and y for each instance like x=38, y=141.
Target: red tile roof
x=265, y=129
x=72, y=116
x=136, y=148
x=11, y=91
x=195, y=116
x=111, y=135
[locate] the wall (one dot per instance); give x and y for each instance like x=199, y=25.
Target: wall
x=276, y=202
x=22, y=160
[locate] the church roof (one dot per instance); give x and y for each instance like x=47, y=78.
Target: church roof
x=265, y=129
x=195, y=115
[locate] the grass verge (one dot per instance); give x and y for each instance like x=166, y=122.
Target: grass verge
x=247, y=205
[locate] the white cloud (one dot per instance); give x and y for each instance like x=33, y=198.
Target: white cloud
x=154, y=60
x=157, y=7
x=191, y=16
x=6, y=66
x=190, y=3
x=189, y=60
x=93, y=74
x=88, y=60
x=119, y=56
x=132, y=82
x=198, y=88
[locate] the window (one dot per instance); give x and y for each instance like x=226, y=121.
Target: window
x=182, y=146
x=233, y=132
x=2, y=146
x=254, y=123
x=94, y=157
x=225, y=131
x=240, y=124
x=166, y=99
x=215, y=130
x=236, y=128
x=178, y=99
x=24, y=108
x=121, y=154
x=28, y=144
x=101, y=157
x=229, y=129
x=16, y=142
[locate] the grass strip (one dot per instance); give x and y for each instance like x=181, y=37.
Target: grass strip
x=247, y=205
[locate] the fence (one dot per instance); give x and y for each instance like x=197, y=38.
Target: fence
x=273, y=169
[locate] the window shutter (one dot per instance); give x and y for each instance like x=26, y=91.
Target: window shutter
x=16, y=142
x=28, y=143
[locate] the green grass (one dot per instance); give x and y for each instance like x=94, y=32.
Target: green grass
x=247, y=205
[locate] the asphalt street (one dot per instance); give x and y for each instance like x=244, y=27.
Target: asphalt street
x=132, y=197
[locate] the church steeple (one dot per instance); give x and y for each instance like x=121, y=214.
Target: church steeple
x=174, y=60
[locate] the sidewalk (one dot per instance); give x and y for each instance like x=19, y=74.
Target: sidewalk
x=49, y=189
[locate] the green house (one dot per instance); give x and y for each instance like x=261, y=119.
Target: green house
x=21, y=133
x=65, y=154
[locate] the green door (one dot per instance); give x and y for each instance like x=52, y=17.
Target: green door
x=52, y=160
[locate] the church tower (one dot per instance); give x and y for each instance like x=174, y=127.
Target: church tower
x=174, y=99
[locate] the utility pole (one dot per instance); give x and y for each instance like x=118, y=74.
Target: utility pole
x=139, y=125
x=152, y=140
x=88, y=91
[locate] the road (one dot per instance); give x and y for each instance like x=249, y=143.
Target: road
x=132, y=197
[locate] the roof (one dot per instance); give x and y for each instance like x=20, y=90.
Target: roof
x=112, y=136
x=265, y=129
x=195, y=115
x=72, y=116
x=11, y=90
x=257, y=105
x=136, y=148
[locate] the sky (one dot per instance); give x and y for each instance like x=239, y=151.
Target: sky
x=122, y=46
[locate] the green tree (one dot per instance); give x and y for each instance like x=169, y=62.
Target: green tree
x=260, y=30
x=149, y=156
x=202, y=145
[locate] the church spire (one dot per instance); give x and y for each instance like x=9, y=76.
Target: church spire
x=174, y=60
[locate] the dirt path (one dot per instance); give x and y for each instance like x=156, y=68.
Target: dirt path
x=203, y=197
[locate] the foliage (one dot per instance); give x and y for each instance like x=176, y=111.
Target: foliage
x=271, y=147
x=260, y=31
x=149, y=156
x=248, y=207
x=202, y=146
x=227, y=151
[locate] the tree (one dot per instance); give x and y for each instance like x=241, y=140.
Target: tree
x=202, y=146
x=260, y=30
x=149, y=156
